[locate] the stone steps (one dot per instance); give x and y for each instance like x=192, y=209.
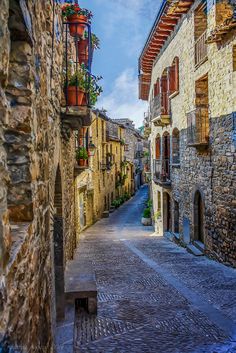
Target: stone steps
x=194, y=250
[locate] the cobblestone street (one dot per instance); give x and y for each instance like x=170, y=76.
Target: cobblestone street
x=153, y=295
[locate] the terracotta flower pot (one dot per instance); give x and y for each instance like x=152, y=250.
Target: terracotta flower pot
x=74, y=96
x=77, y=29
x=83, y=51
x=81, y=162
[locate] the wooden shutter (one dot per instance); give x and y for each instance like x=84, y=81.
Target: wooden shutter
x=171, y=80
x=158, y=148
x=176, y=74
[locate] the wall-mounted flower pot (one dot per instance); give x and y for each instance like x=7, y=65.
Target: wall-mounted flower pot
x=82, y=162
x=146, y=221
x=77, y=24
x=74, y=96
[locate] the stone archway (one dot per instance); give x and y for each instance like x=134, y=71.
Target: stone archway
x=58, y=241
x=167, y=219
x=198, y=217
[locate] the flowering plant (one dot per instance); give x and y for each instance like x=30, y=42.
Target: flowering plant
x=74, y=9
x=95, y=40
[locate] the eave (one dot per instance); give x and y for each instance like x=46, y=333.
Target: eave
x=168, y=17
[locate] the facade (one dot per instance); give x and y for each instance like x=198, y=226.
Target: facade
x=136, y=149
x=108, y=175
x=38, y=130
x=188, y=75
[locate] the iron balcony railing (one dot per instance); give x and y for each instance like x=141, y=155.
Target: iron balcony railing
x=201, y=49
x=78, y=62
x=198, y=126
x=160, y=105
x=161, y=170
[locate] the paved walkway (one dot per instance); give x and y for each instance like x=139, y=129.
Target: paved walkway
x=153, y=295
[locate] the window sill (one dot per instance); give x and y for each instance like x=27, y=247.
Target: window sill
x=173, y=95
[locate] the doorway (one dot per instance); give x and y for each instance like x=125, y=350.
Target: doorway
x=198, y=217
x=167, y=212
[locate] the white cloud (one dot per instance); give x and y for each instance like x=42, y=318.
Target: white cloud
x=122, y=101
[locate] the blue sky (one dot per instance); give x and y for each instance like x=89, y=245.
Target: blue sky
x=122, y=27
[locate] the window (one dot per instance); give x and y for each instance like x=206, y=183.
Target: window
x=198, y=119
x=175, y=147
x=159, y=201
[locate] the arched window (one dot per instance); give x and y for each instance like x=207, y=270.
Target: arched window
x=175, y=147
x=173, y=77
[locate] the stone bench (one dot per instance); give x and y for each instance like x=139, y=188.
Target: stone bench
x=80, y=285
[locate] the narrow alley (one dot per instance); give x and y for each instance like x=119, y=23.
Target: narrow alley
x=153, y=296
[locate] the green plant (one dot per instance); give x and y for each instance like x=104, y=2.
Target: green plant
x=70, y=9
x=81, y=153
x=95, y=40
x=146, y=154
x=78, y=79
x=157, y=215
x=149, y=203
x=122, y=142
x=94, y=89
x=147, y=213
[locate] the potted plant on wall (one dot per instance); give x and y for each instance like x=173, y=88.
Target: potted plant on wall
x=76, y=88
x=83, y=47
x=76, y=17
x=81, y=156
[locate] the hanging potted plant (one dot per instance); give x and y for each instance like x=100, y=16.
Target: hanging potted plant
x=81, y=156
x=76, y=17
x=76, y=88
x=83, y=47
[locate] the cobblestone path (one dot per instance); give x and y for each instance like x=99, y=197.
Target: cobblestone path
x=153, y=295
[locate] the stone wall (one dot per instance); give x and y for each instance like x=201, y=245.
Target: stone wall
x=32, y=152
x=210, y=170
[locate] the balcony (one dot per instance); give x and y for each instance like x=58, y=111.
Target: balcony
x=160, y=109
x=78, y=80
x=198, y=127
x=161, y=172
x=201, y=50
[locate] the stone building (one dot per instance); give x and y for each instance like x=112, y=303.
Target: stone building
x=188, y=75
x=135, y=151
x=37, y=157
x=102, y=180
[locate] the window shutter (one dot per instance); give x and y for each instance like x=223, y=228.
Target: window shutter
x=158, y=148
x=176, y=74
x=171, y=80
